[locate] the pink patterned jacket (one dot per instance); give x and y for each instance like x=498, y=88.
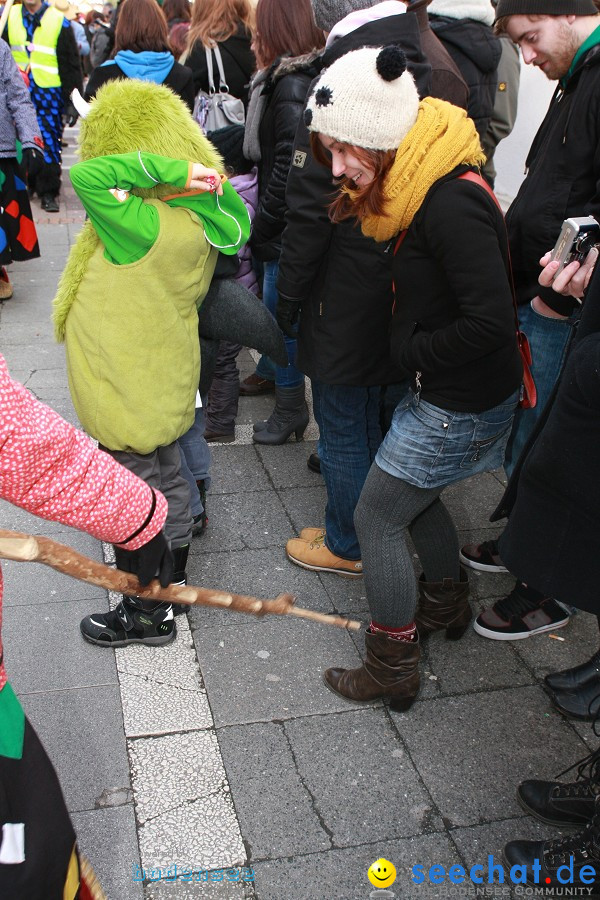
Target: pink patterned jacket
x=53, y=470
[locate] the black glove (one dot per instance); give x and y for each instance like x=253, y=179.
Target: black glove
x=33, y=160
x=287, y=314
x=70, y=114
x=153, y=560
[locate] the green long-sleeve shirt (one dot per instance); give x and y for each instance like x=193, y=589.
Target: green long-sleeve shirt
x=128, y=226
x=125, y=223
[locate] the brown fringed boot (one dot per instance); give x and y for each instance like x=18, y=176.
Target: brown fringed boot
x=444, y=605
x=390, y=672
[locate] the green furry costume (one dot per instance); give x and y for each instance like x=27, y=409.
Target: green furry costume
x=127, y=301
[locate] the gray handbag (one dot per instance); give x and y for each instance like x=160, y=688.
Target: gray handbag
x=217, y=109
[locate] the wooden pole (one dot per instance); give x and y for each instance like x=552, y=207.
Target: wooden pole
x=4, y=16
x=29, y=548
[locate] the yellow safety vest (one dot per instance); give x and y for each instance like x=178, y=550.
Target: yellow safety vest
x=38, y=57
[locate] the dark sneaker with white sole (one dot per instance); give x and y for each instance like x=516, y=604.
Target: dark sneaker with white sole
x=131, y=623
x=520, y=615
x=483, y=557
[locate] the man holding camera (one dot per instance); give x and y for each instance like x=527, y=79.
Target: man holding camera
x=562, y=38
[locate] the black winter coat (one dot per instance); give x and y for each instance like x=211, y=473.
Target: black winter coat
x=563, y=179
x=179, y=80
x=238, y=64
x=454, y=320
x=342, y=278
x=476, y=52
x=553, y=497
x=285, y=93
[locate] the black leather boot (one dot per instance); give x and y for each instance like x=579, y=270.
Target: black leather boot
x=290, y=415
x=573, y=679
x=582, y=703
x=564, y=805
x=390, y=672
x=444, y=605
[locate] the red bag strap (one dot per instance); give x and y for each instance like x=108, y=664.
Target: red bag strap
x=476, y=178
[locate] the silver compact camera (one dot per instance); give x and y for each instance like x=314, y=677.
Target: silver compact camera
x=577, y=237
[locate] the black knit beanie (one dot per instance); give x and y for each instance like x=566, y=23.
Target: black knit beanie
x=545, y=8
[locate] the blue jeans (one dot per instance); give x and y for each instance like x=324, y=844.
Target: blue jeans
x=289, y=376
x=195, y=459
x=350, y=433
x=548, y=339
x=430, y=447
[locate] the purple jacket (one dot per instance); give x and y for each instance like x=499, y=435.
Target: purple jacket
x=247, y=188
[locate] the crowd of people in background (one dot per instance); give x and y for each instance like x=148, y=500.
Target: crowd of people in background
x=357, y=139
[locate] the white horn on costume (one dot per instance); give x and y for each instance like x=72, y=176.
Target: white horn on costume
x=81, y=105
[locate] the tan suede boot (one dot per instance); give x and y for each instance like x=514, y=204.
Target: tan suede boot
x=444, y=604
x=390, y=671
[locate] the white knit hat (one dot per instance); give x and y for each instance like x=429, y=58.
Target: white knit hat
x=366, y=98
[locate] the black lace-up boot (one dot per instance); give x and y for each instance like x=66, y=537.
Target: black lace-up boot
x=564, y=855
x=567, y=805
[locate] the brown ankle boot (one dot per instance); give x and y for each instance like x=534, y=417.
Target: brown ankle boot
x=390, y=671
x=444, y=604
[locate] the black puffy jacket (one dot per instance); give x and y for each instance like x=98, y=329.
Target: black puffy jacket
x=476, y=52
x=238, y=64
x=342, y=278
x=285, y=93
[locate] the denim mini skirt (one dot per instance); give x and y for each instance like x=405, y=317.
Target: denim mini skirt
x=431, y=447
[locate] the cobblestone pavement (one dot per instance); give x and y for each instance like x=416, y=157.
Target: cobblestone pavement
x=224, y=749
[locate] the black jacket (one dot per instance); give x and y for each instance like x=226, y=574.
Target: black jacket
x=454, y=320
x=179, y=80
x=238, y=63
x=553, y=497
x=285, y=93
x=476, y=52
x=343, y=279
x=563, y=179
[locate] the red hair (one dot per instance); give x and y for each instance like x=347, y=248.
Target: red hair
x=367, y=200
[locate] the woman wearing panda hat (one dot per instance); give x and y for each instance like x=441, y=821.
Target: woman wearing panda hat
x=399, y=163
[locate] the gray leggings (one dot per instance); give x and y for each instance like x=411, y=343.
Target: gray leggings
x=387, y=508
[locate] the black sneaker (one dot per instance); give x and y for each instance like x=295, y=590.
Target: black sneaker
x=483, y=557
x=520, y=615
x=50, y=203
x=564, y=805
x=577, y=850
x=130, y=623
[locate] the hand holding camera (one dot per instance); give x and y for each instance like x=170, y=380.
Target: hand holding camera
x=569, y=266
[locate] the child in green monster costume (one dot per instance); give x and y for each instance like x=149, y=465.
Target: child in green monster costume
x=160, y=210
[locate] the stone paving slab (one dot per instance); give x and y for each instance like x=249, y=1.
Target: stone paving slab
x=342, y=874
x=46, y=652
x=248, y=520
x=109, y=838
x=45, y=584
x=284, y=819
x=249, y=675
x=82, y=731
x=485, y=742
x=259, y=573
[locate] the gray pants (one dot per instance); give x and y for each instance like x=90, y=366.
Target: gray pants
x=161, y=470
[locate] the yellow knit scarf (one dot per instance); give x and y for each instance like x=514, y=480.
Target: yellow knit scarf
x=441, y=139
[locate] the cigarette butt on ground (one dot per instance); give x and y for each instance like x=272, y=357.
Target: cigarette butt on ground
x=557, y=637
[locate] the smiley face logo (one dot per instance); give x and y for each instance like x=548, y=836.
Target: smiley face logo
x=381, y=873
